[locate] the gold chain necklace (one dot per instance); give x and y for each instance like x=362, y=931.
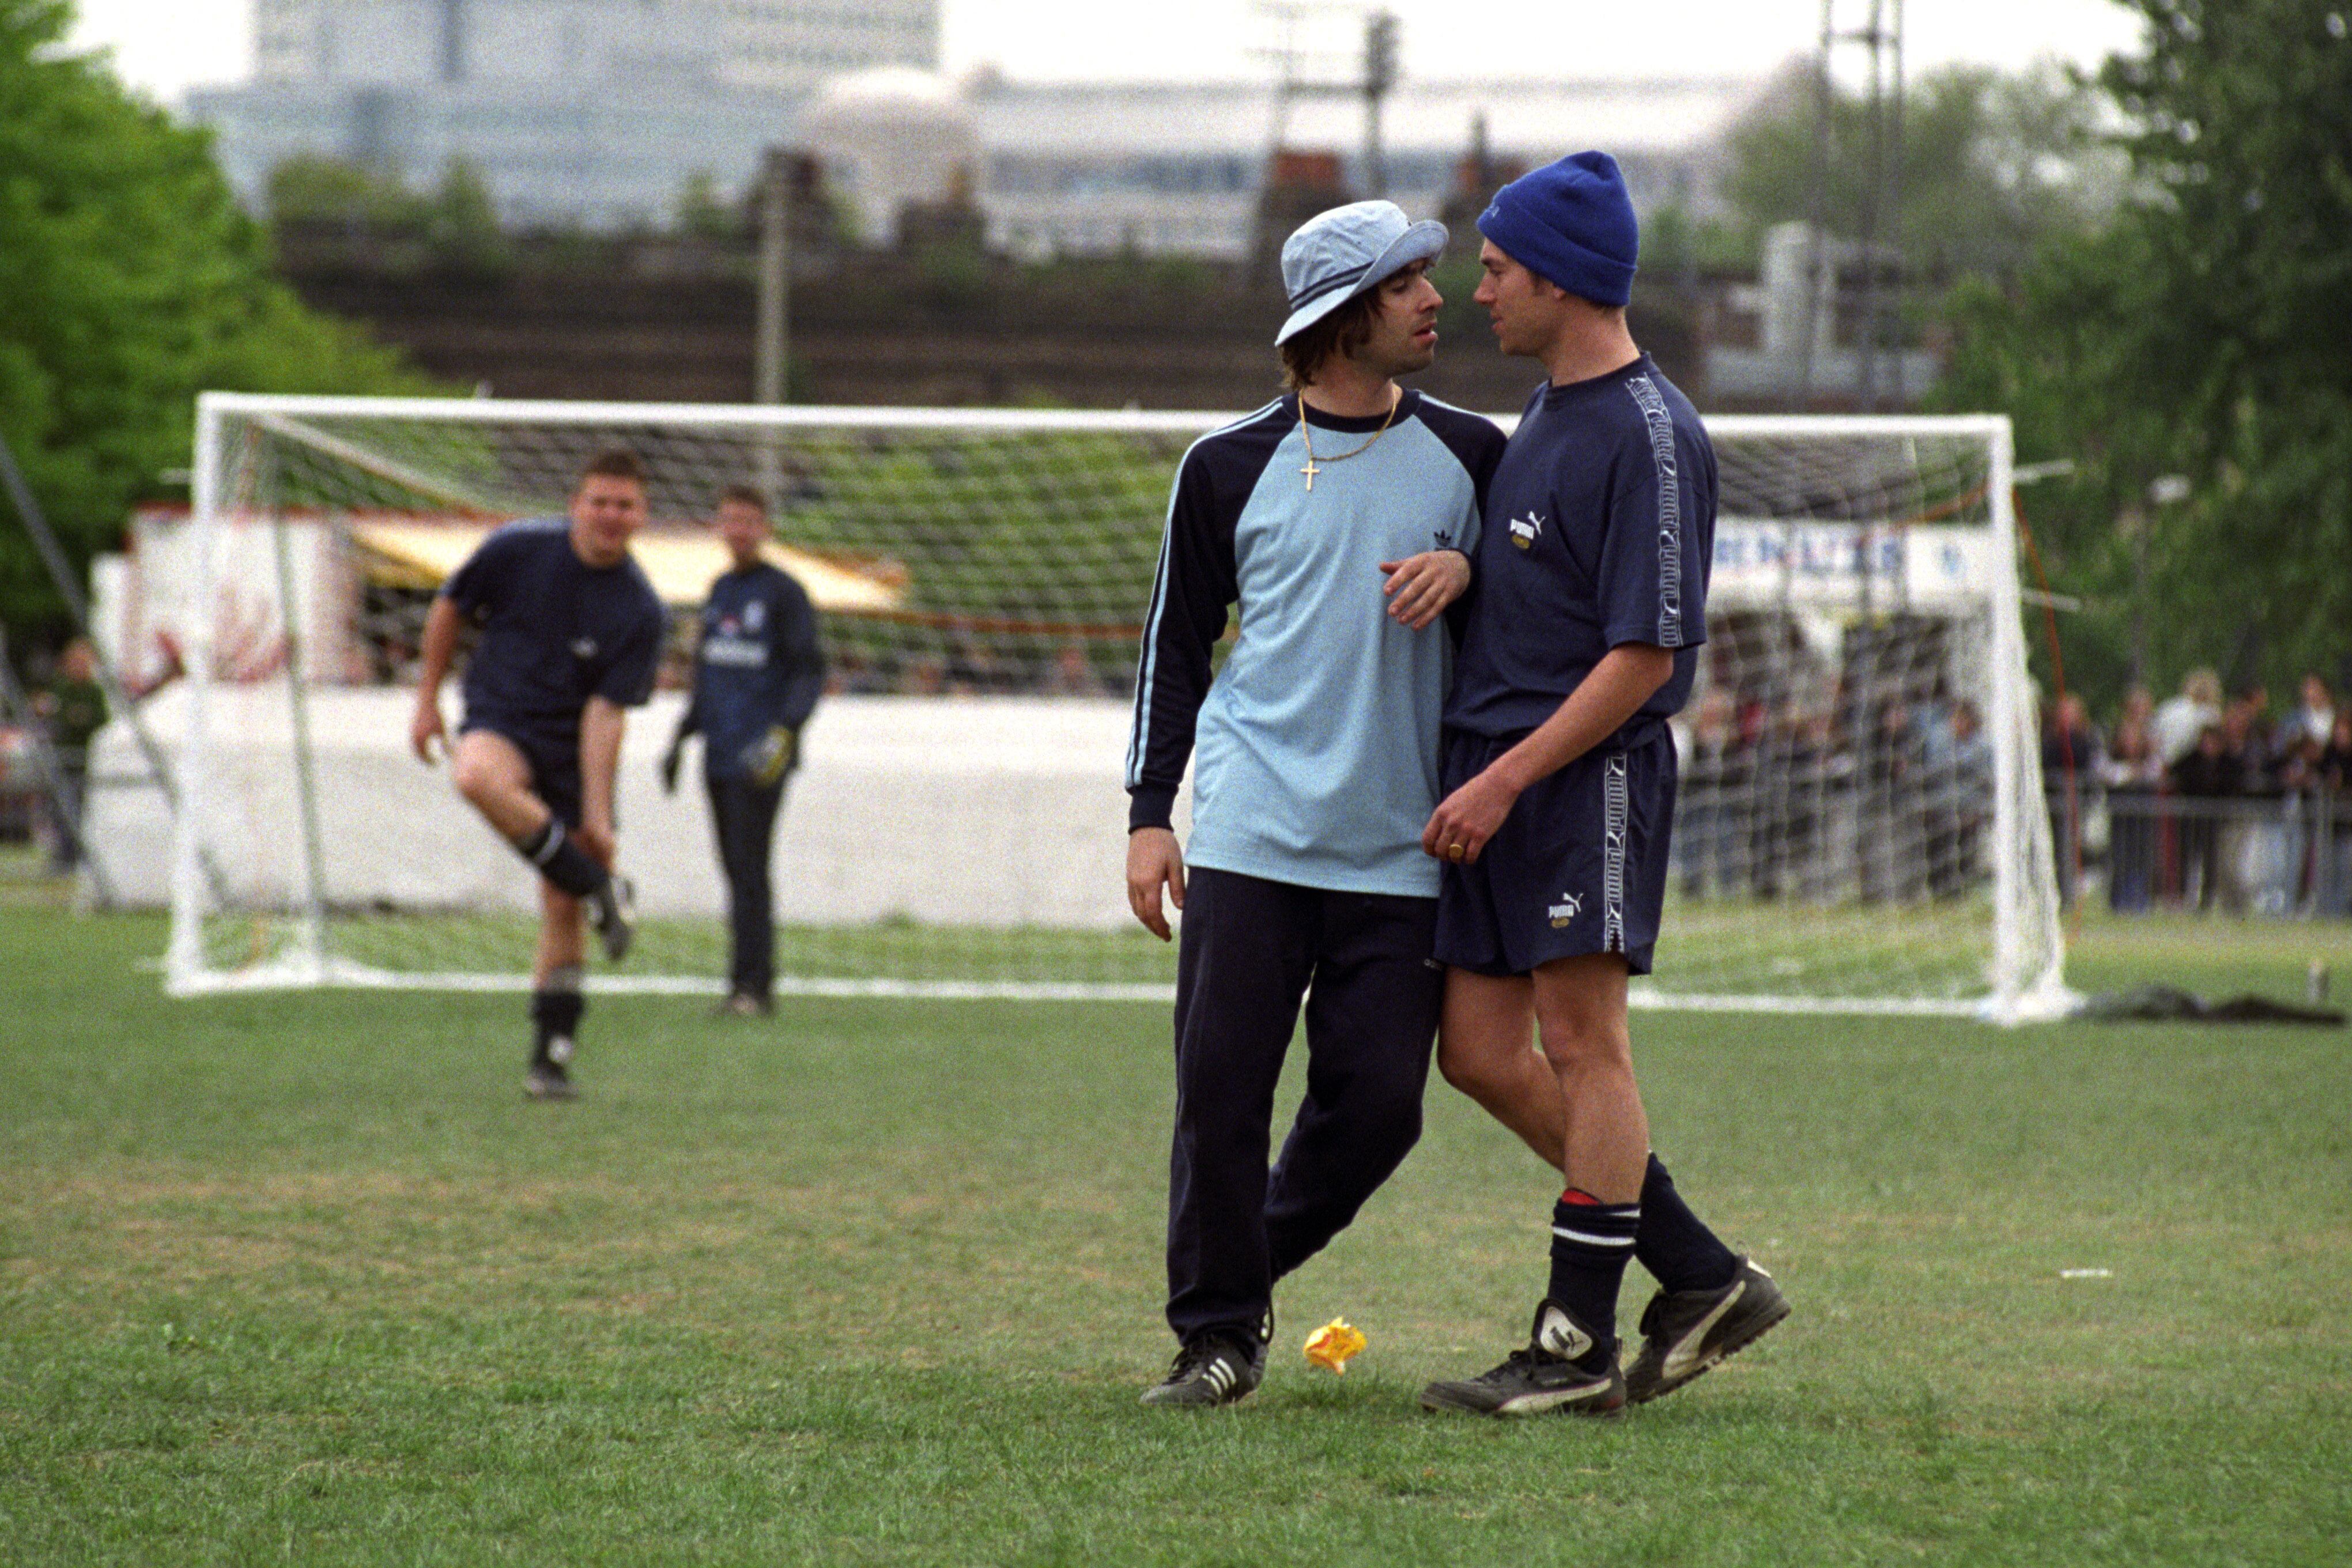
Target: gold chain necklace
x=1307, y=441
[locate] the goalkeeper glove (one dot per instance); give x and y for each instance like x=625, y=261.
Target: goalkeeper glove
x=670, y=765
x=770, y=757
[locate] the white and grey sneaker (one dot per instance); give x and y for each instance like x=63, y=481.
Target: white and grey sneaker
x=1215, y=1369
x=549, y=1080
x=1683, y=1332
x=1563, y=1369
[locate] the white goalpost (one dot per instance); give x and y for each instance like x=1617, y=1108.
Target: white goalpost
x=1860, y=827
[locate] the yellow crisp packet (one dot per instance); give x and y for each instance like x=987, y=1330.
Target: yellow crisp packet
x=1331, y=1345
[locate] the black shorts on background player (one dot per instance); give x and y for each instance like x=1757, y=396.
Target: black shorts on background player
x=553, y=761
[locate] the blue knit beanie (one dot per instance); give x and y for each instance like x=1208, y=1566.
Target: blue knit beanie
x=1571, y=224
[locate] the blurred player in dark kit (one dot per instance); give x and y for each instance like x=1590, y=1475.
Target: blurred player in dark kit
x=571, y=634
x=1560, y=794
x=758, y=671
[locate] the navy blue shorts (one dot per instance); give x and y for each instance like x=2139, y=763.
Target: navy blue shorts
x=554, y=762
x=1578, y=867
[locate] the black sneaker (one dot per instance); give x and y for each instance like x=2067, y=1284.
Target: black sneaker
x=1686, y=1331
x=549, y=1080
x=1215, y=1369
x=613, y=911
x=1561, y=1369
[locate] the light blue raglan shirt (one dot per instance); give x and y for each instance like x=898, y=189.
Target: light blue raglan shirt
x=1315, y=748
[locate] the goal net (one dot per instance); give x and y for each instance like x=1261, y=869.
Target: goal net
x=1860, y=824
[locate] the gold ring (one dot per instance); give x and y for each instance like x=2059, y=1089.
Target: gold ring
x=1454, y=851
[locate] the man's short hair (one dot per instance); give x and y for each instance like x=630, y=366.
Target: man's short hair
x=744, y=494
x=1343, y=331
x=615, y=463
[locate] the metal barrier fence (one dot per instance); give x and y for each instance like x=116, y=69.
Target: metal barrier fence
x=2285, y=855
x=1829, y=835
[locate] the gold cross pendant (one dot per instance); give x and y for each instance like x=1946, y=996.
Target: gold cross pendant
x=1310, y=471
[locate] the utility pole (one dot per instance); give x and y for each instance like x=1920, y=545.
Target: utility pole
x=1881, y=229
x=1376, y=76
x=453, y=40
x=775, y=277
x=1878, y=332
x=1817, y=200
x=1893, y=195
x=772, y=353
x=1379, y=77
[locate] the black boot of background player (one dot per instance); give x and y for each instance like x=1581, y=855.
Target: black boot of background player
x=555, y=1010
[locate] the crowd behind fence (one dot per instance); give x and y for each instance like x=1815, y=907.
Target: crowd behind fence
x=1882, y=793
x=2202, y=802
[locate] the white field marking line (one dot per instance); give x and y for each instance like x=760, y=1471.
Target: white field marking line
x=2087, y=1273
x=340, y=973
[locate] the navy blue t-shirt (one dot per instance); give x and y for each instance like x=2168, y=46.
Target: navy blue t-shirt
x=1599, y=531
x=555, y=631
x=758, y=665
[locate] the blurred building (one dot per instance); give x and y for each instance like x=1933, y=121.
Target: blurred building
x=597, y=113
x=594, y=112
x=1798, y=336
x=887, y=140
x=1177, y=168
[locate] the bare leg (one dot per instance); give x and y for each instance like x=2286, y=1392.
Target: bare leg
x=560, y=939
x=1486, y=1048
x=494, y=776
x=1580, y=1019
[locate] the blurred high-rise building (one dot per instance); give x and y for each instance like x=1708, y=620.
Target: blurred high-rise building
x=788, y=45
x=596, y=113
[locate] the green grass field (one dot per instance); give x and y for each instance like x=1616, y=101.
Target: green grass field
x=303, y=1277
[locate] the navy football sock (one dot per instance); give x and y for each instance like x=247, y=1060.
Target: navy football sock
x=1591, y=1242
x=572, y=869
x=1673, y=1245
x=555, y=1010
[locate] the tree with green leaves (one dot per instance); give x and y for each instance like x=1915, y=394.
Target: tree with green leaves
x=128, y=282
x=1990, y=166
x=2205, y=335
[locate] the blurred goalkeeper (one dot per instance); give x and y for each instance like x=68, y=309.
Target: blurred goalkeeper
x=1337, y=519
x=570, y=633
x=758, y=671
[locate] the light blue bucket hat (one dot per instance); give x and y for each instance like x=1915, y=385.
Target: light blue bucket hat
x=1338, y=255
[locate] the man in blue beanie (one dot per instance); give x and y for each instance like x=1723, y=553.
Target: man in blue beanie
x=1558, y=781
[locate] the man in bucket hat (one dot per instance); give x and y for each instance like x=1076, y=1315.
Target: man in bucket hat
x=1559, y=792
x=1338, y=518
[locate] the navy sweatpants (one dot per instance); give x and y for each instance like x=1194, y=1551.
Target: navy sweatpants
x=1251, y=949
x=744, y=818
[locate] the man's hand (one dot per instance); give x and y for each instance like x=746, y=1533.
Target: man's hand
x=1467, y=818
x=1153, y=860
x=425, y=731
x=597, y=839
x=670, y=762
x=1419, y=587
